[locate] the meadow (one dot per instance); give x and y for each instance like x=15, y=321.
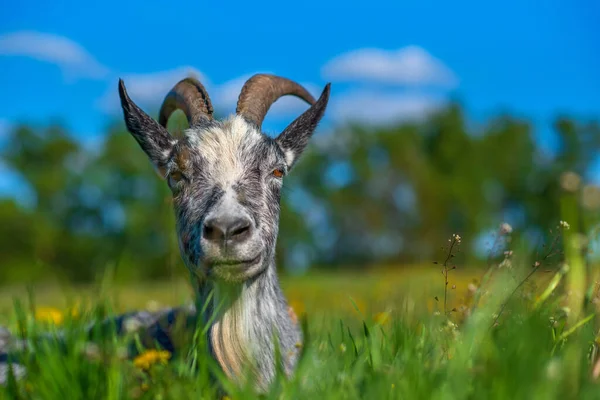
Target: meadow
x=431, y=331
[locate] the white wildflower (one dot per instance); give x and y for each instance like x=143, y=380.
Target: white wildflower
x=570, y=181
x=506, y=263
x=505, y=228
x=565, y=225
x=132, y=325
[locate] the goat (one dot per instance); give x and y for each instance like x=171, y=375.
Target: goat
x=226, y=179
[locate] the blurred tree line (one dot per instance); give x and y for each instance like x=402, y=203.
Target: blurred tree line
x=359, y=196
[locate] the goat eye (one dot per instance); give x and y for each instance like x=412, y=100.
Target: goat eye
x=175, y=177
x=278, y=173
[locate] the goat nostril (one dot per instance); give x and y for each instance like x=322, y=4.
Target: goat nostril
x=224, y=229
x=212, y=232
x=239, y=230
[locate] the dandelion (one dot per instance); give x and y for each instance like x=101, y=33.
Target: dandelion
x=565, y=225
x=505, y=228
x=148, y=358
x=359, y=304
x=381, y=318
x=49, y=315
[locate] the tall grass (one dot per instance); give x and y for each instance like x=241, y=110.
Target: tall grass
x=528, y=330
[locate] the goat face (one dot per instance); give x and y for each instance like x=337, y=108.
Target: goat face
x=225, y=176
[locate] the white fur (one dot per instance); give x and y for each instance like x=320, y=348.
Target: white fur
x=221, y=147
x=289, y=157
x=232, y=335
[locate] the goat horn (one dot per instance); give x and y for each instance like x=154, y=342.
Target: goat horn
x=190, y=96
x=262, y=90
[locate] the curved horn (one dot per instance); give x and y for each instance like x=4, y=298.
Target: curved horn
x=262, y=90
x=190, y=96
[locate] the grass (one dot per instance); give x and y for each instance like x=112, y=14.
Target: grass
x=424, y=332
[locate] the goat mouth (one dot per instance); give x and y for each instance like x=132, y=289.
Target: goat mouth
x=234, y=263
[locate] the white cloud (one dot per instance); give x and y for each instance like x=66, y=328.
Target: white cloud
x=147, y=90
x=410, y=65
x=225, y=96
x=69, y=56
x=373, y=107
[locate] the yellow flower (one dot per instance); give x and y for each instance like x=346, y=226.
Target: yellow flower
x=381, y=318
x=147, y=358
x=360, y=304
x=49, y=315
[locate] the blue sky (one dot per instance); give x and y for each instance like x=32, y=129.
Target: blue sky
x=386, y=59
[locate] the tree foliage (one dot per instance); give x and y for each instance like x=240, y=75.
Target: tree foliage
x=359, y=196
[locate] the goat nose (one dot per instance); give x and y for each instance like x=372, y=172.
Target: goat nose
x=221, y=229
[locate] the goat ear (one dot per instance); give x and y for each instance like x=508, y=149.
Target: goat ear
x=155, y=140
x=295, y=137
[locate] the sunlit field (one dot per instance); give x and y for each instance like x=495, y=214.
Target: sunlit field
x=373, y=290
x=427, y=331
